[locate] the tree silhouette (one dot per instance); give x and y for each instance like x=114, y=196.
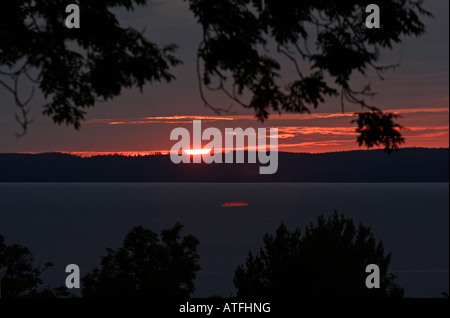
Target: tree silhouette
x=329, y=260
x=19, y=278
x=326, y=42
x=77, y=67
x=146, y=266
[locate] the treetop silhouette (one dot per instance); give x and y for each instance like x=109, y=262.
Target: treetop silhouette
x=328, y=260
x=147, y=265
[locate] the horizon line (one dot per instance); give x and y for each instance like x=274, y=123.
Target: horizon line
x=89, y=154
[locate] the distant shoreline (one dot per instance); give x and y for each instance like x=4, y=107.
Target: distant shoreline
x=89, y=154
x=406, y=165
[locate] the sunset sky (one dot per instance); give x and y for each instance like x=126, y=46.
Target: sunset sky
x=141, y=122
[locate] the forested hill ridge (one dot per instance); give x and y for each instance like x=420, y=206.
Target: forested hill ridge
x=406, y=165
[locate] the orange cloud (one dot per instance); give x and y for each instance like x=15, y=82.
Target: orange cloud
x=188, y=119
x=310, y=144
x=158, y=120
x=418, y=110
x=292, y=131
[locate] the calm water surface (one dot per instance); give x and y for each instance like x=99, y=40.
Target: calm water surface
x=74, y=223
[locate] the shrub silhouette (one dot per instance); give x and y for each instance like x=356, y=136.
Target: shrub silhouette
x=19, y=278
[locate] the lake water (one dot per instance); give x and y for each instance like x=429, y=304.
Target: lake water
x=74, y=222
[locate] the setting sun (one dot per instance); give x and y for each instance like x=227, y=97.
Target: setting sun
x=197, y=151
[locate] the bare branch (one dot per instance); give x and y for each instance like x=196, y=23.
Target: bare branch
x=23, y=119
x=217, y=110
x=7, y=86
x=292, y=59
x=381, y=69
